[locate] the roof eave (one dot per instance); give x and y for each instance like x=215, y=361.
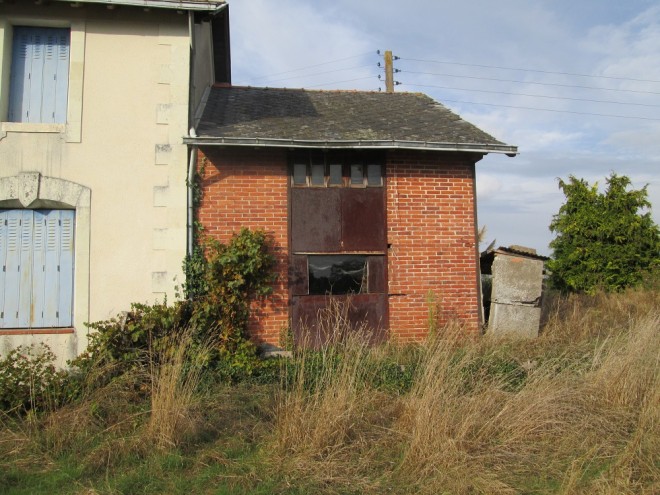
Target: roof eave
x=350, y=144
x=161, y=4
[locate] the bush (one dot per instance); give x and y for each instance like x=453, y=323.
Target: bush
x=226, y=279
x=603, y=240
x=30, y=381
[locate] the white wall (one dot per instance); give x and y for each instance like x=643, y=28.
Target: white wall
x=128, y=111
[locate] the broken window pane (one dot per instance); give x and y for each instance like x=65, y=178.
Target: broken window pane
x=337, y=274
x=374, y=175
x=300, y=174
x=335, y=174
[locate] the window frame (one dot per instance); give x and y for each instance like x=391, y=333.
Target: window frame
x=364, y=283
x=346, y=160
x=71, y=130
x=40, y=98
x=49, y=235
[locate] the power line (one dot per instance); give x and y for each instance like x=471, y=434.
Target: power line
x=550, y=110
x=530, y=70
x=319, y=73
x=339, y=82
x=534, y=96
x=306, y=67
x=531, y=82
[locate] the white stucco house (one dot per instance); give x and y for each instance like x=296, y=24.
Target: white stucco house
x=95, y=99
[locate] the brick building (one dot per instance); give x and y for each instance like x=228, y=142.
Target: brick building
x=366, y=194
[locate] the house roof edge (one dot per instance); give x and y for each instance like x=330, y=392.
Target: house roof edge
x=356, y=144
x=213, y=5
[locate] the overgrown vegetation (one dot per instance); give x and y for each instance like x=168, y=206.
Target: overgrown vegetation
x=574, y=411
x=29, y=380
x=229, y=277
x=605, y=241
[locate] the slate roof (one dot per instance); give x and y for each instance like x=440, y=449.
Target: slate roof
x=164, y=4
x=247, y=116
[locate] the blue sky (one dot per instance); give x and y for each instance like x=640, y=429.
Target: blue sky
x=462, y=54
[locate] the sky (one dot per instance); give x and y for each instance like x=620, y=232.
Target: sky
x=574, y=84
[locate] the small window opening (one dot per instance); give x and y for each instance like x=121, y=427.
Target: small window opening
x=323, y=171
x=357, y=174
x=336, y=175
x=300, y=174
x=374, y=175
x=318, y=174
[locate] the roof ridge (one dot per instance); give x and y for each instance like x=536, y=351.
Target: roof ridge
x=350, y=91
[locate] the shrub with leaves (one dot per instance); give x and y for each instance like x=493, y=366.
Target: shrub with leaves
x=127, y=337
x=604, y=240
x=228, y=278
x=30, y=381
x=234, y=275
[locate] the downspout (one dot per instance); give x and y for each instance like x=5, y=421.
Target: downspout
x=193, y=149
x=191, y=183
x=480, y=296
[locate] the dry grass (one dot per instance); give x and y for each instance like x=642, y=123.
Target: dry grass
x=584, y=420
x=175, y=379
x=575, y=411
x=325, y=414
x=110, y=422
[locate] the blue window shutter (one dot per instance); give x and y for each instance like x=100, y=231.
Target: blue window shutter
x=40, y=75
x=51, y=304
x=62, y=76
x=39, y=294
x=19, y=91
x=25, y=269
x=4, y=239
x=16, y=296
x=36, y=75
x=36, y=254
x=65, y=309
x=58, y=304
x=55, y=75
x=12, y=266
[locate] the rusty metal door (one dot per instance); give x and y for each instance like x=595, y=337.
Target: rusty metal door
x=336, y=222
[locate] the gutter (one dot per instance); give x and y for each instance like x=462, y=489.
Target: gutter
x=350, y=144
x=162, y=4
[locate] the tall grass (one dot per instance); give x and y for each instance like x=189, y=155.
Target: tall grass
x=112, y=421
x=575, y=411
x=325, y=409
x=176, y=372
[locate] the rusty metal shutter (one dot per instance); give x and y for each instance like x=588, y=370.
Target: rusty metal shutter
x=315, y=220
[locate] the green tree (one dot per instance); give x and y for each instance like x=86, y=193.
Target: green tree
x=604, y=240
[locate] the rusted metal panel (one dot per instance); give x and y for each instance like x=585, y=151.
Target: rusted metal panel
x=298, y=279
x=315, y=220
x=377, y=274
x=312, y=317
x=363, y=219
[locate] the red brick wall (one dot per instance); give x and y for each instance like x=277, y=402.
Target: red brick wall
x=248, y=188
x=431, y=230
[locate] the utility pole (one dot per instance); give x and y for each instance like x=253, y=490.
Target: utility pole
x=389, y=72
